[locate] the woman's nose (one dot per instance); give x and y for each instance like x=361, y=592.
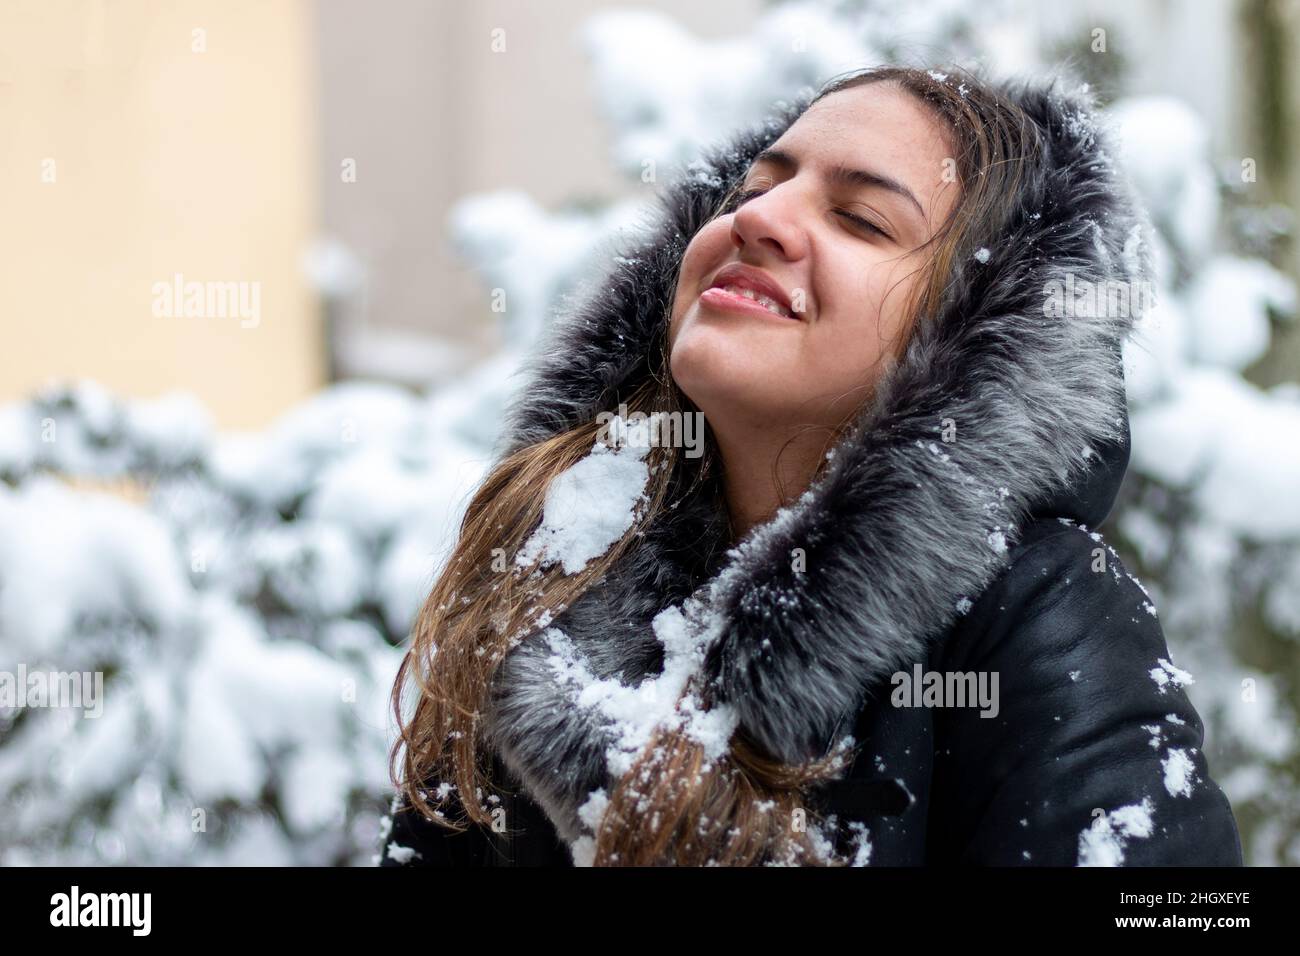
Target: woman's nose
x=771, y=221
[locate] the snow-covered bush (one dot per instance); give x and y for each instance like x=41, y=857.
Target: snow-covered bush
x=243, y=599
x=1211, y=517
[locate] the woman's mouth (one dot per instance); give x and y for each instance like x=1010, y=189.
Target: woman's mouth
x=737, y=298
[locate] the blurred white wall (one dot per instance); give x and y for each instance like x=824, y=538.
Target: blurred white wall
x=415, y=93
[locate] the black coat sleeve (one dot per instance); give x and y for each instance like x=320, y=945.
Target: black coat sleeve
x=411, y=839
x=1094, y=756
x=525, y=836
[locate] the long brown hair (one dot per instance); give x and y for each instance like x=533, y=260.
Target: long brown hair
x=674, y=806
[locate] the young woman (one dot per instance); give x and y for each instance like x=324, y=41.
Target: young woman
x=868, y=619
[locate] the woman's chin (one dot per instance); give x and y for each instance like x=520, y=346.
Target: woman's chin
x=725, y=393
x=738, y=337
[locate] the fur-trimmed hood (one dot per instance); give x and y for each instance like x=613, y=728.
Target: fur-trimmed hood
x=903, y=530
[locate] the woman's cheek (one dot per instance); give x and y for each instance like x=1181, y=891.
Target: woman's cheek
x=705, y=253
x=695, y=265
x=688, y=359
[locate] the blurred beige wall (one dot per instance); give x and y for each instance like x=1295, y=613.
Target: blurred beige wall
x=140, y=139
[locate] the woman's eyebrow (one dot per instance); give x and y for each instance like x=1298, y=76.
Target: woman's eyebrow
x=842, y=175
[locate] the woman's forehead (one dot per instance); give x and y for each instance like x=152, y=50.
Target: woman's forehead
x=882, y=128
x=871, y=110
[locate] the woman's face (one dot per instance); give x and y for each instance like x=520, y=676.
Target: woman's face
x=841, y=252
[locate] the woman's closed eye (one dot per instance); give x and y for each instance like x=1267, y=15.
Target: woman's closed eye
x=857, y=221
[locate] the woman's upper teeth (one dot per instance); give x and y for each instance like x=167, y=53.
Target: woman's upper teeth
x=765, y=300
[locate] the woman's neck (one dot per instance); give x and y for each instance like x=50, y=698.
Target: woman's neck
x=753, y=486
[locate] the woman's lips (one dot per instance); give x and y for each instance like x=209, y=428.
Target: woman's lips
x=720, y=298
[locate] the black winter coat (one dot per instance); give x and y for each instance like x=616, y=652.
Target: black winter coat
x=973, y=555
